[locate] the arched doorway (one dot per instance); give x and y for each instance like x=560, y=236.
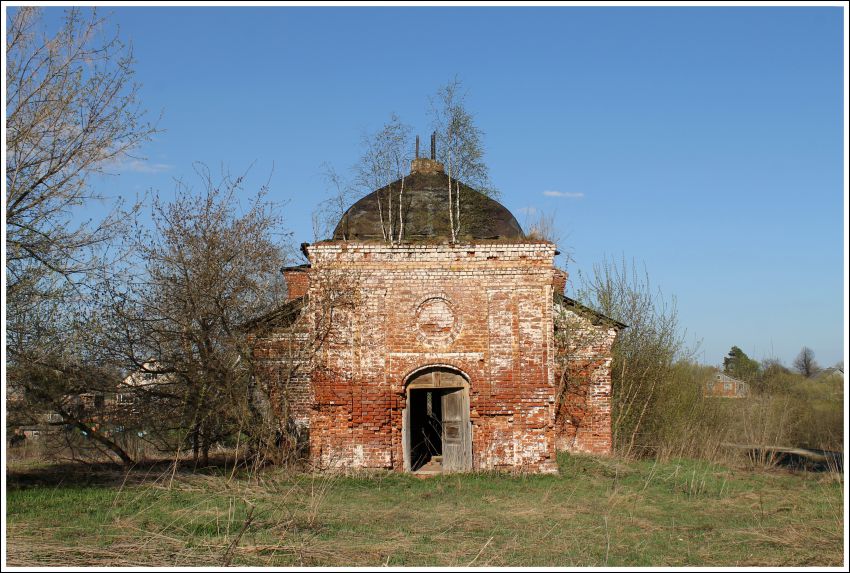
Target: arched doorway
x=436, y=429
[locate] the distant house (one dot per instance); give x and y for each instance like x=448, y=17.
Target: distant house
x=723, y=386
x=146, y=377
x=833, y=372
x=32, y=423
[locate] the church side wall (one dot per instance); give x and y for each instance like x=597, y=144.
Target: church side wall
x=484, y=309
x=583, y=376
x=282, y=372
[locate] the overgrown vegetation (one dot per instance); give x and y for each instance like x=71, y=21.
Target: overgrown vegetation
x=644, y=354
x=211, y=263
x=91, y=304
x=72, y=111
x=660, y=404
x=597, y=512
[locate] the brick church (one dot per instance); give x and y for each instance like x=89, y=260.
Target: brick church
x=428, y=354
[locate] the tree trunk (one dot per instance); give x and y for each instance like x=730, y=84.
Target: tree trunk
x=451, y=209
x=103, y=440
x=400, y=211
x=457, y=208
x=196, y=444
x=205, y=453
x=381, y=215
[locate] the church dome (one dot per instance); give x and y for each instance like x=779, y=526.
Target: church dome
x=425, y=210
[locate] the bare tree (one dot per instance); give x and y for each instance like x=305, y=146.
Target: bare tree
x=72, y=108
x=644, y=353
x=210, y=265
x=382, y=168
x=289, y=345
x=386, y=160
x=329, y=212
x=805, y=362
x=459, y=148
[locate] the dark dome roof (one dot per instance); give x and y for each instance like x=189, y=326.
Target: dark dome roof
x=425, y=212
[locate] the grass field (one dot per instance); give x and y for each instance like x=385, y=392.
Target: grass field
x=597, y=512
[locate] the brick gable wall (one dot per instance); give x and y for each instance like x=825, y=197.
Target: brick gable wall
x=583, y=371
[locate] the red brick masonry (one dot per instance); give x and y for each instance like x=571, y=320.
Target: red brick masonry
x=484, y=309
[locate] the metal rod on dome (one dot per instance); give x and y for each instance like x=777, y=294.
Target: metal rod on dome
x=434, y=146
x=417, y=147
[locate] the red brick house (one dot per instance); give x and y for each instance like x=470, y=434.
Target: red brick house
x=431, y=355
x=724, y=386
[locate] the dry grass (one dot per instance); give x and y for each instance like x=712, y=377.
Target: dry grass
x=597, y=512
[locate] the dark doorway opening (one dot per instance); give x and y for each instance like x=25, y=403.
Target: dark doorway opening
x=426, y=426
x=436, y=429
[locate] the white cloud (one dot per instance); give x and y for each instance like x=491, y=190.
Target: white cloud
x=527, y=210
x=138, y=166
x=116, y=166
x=565, y=194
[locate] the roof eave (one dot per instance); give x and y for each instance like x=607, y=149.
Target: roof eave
x=280, y=316
x=566, y=301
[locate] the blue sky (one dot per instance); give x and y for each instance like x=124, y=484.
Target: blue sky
x=705, y=143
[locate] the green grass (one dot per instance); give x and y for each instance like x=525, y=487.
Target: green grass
x=597, y=512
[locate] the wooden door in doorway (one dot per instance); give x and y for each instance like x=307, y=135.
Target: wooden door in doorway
x=457, y=432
